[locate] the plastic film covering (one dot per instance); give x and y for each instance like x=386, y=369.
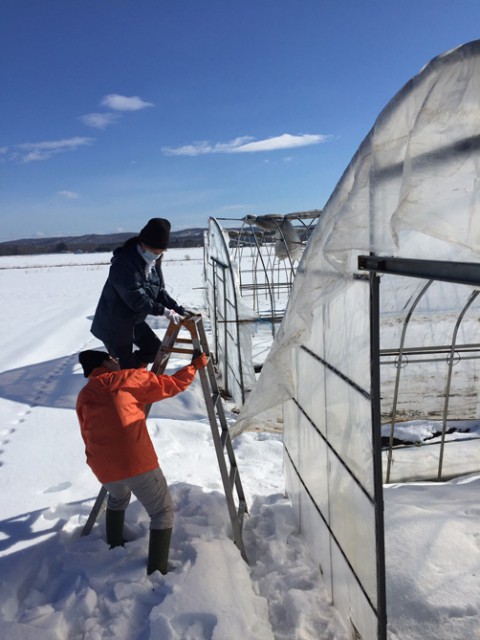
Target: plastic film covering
x=380, y=204
x=412, y=190
x=230, y=318
x=329, y=455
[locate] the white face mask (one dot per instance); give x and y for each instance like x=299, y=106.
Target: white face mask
x=150, y=256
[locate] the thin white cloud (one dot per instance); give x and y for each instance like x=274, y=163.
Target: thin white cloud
x=68, y=195
x=32, y=151
x=247, y=144
x=285, y=141
x=124, y=103
x=99, y=120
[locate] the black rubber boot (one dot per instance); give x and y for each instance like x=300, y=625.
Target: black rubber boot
x=158, y=548
x=114, y=524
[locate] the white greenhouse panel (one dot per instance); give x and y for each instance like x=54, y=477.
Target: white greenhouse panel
x=352, y=521
x=350, y=600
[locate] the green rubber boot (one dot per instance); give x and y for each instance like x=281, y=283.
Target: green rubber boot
x=158, y=548
x=114, y=524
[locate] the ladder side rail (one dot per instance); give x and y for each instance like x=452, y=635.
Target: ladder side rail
x=236, y=530
x=94, y=513
x=215, y=410
x=237, y=482
x=221, y=413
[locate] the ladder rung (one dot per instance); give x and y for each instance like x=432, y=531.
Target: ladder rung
x=180, y=350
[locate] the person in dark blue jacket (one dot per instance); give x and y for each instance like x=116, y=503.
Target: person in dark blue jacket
x=135, y=288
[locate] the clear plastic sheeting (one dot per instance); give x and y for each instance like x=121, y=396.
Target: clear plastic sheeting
x=379, y=204
x=329, y=454
x=231, y=319
x=249, y=271
x=412, y=190
x=288, y=243
x=267, y=250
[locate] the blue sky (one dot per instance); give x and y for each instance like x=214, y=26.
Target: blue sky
x=116, y=111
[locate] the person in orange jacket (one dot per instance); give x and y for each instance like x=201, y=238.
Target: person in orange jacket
x=111, y=412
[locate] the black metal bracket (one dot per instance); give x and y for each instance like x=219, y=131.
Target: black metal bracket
x=457, y=272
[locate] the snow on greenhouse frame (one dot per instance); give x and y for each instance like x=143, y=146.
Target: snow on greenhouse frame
x=393, y=340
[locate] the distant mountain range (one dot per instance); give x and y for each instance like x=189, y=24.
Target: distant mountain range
x=92, y=243
x=96, y=243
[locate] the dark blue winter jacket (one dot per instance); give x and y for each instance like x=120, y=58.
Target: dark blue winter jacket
x=129, y=296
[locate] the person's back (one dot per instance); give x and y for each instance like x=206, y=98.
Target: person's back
x=111, y=412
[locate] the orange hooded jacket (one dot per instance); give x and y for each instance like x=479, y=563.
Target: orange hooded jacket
x=111, y=412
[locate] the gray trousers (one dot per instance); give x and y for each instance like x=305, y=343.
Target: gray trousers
x=151, y=490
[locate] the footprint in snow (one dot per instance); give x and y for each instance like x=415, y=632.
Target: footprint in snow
x=58, y=487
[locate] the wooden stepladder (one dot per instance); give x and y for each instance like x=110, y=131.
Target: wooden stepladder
x=197, y=341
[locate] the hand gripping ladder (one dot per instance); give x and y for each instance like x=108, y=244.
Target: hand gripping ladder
x=237, y=507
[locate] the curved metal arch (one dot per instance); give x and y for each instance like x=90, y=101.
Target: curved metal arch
x=222, y=275
x=399, y=369
x=451, y=355
x=250, y=262
x=450, y=362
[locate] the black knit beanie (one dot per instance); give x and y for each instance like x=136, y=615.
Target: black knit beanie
x=156, y=233
x=90, y=360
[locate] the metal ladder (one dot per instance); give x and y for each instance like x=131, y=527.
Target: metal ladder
x=172, y=343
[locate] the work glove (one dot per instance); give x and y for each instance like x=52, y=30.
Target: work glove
x=199, y=360
x=173, y=316
x=189, y=313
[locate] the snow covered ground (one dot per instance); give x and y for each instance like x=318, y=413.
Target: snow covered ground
x=55, y=584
